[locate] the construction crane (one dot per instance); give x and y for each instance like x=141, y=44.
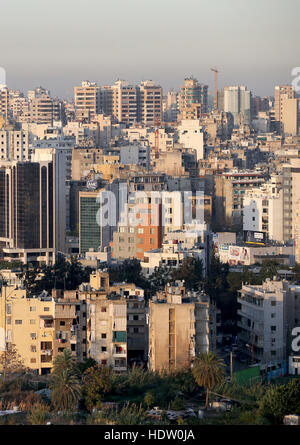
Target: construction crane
x=215, y=70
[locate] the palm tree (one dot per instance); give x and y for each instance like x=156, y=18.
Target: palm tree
x=208, y=371
x=65, y=360
x=65, y=389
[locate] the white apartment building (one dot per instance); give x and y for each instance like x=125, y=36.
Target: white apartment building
x=263, y=209
x=191, y=135
x=267, y=314
x=237, y=101
x=15, y=145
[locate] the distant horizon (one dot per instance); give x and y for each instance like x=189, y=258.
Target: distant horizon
x=69, y=92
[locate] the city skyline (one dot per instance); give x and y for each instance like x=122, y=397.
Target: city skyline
x=131, y=41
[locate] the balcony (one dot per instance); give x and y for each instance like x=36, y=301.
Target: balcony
x=117, y=353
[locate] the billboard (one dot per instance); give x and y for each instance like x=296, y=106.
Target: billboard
x=238, y=256
x=251, y=237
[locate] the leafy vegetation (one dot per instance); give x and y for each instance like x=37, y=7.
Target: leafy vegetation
x=280, y=401
x=208, y=371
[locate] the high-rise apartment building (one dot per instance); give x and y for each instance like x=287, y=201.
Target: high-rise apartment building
x=39, y=327
x=15, y=145
x=114, y=320
x=282, y=92
x=87, y=100
x=125, y=102
x=230, y=189
x=263, y=209
x=267, y=314
x=33, y=210
x=42, y=108
x=150, y=103
x=181, y=325
x=171, y=107
x=237, y=101
x=193, y=100
x=4, y=103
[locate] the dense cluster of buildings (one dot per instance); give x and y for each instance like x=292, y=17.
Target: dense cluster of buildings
x=123, y=171
x=109, y=323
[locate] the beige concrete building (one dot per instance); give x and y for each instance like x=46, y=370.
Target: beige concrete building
x=179, y=328
x=282, y=92
x=4, y=103
x=150, y=99
x=87, y=100
x=39, y=327
x=192, y=99
x=83, y=161
x=289, y=118
x=115, y=329
x=125, y=107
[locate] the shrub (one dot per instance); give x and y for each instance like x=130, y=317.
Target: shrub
x=280, y=401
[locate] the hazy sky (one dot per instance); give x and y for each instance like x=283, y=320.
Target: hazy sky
x=58, y=43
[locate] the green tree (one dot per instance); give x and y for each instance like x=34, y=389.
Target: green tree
x=268, y=269
x=98, y=381
x=83, y=366
x=11, y=362
x=65, y=360
x=280, y=401
x=191, y=271
x=129, y=271
x=208, y=371
x=296, y=271
x=65, y=389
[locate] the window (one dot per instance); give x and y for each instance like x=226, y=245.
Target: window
x=103, y=362
x=273, y=315
x=273, y=303
x=18, y=321
x=8, y=320
x=8, y=308
x=103, y=309
x=140, y=230
x=103, y=335
x=33, y=360
x=273, y=328
x=32, y=308
x=62, y=323
x=33, y=348
x=103, y=349
x=33, y=335
x=32, y=321
x=46, y=309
